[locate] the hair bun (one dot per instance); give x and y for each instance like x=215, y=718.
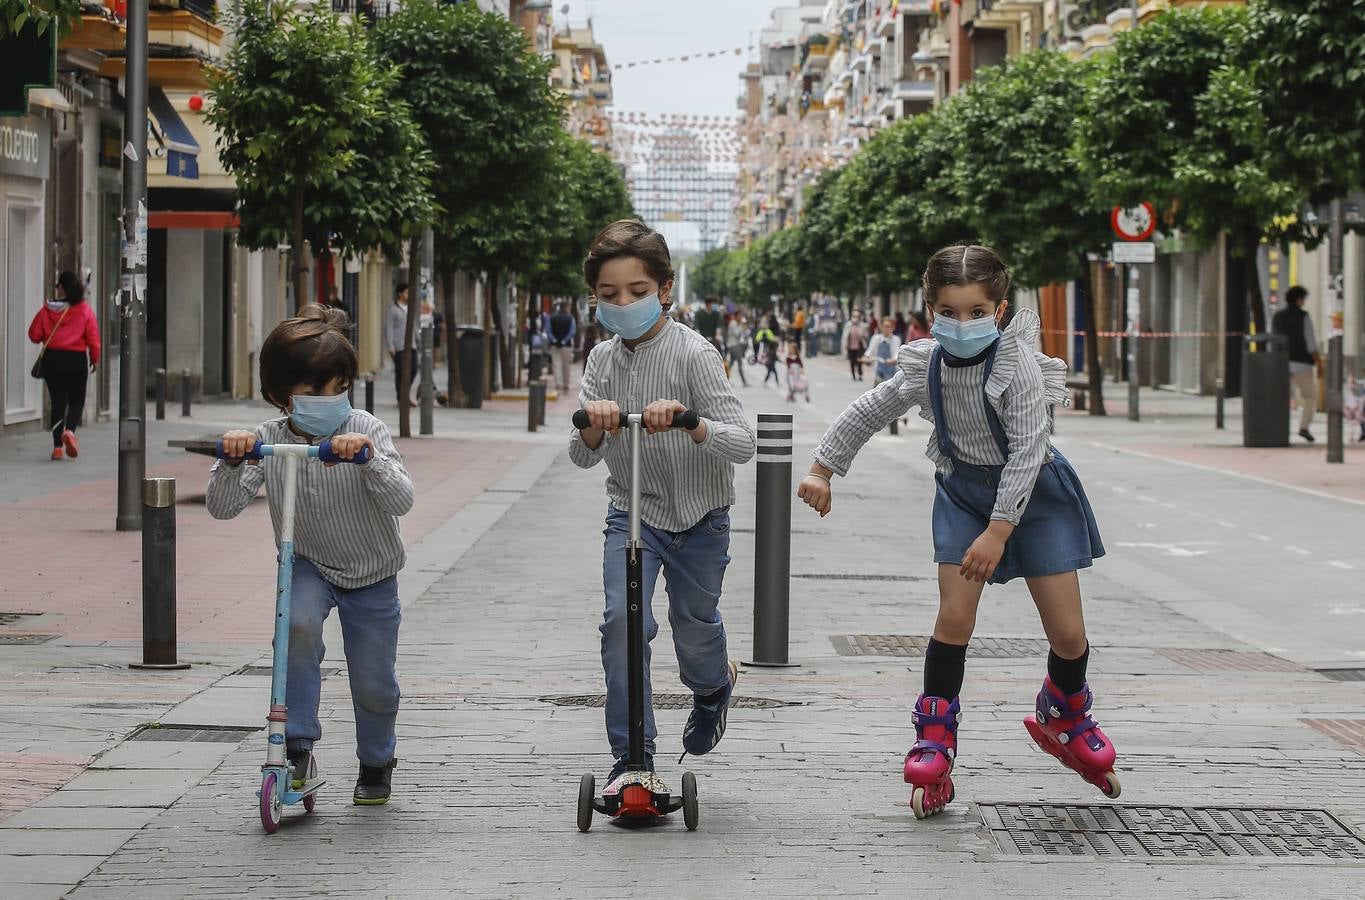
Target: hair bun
x=329, y=316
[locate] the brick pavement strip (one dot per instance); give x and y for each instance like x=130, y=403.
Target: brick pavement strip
x=800, y=801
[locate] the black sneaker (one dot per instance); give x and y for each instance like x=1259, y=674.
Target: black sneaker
x=302, y=768
x=619, y=769
x=706, y=725
x=373, y=786
x=1307, y=435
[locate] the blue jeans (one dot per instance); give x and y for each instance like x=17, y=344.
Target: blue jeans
x=693, y=563
x=369, y=626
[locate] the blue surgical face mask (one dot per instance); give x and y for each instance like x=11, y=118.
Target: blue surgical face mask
x=965, y=339
x=320, y=416
x=632, y=320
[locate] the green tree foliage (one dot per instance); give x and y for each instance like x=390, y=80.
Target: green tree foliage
x=43, y=14
x=319, y=147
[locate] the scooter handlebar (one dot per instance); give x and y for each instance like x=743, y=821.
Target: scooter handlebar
x=322, y=452
x=687, y=419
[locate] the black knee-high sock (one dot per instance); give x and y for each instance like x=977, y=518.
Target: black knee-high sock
x=944, y=665
x=1068, y=674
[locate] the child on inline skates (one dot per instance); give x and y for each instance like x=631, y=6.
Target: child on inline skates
x=659, y=368
x=346, y=540
x=1007, y=506
x=797, y=383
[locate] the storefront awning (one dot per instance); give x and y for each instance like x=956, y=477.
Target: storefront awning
x=182, y=150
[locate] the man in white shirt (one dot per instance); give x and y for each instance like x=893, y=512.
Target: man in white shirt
x=395, y=340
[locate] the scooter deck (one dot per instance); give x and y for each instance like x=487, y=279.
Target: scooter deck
x=309, y=789
x=642, y=795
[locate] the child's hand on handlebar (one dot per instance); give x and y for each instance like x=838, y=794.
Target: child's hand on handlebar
x=237, y=444
x=604, y=415
x=658, y=416
x=347, y=446
x=817, y=494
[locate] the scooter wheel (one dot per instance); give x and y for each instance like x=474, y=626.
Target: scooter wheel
x=587, y=793
x=270, y=803
x=310, y=802
x=691, y=812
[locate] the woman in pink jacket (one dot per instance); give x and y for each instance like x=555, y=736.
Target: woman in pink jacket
x=67, y=328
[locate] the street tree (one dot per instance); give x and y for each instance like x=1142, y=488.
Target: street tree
x=40, y=15
x=320, y=149
x=1017, y=187
x=484, y=100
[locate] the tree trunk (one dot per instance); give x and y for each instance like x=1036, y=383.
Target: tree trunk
x=1092, y=343
x=454, y=396
x=300, y=266
x=406, y=362
x=886, y=303
x=1251, y=248
x=495, y=319
x=508, y=344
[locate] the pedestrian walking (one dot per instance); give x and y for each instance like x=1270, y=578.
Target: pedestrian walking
x=765, y=349
x=736, y=346
x=881, y=352
x=348, y=551
x=70, y=337
x=797, y=383
x=1305, y=365
x=395, y=339
x=658, y=368
x=855, y=344
x=1007, y=505
x=710, y=324
x=563, y=331
x=799, y=326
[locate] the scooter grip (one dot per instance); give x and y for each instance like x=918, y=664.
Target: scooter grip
x=253, y=454
x=326, y=455
x=581, y=420
x=687, y=419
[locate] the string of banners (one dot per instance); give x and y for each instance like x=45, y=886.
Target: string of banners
x=691, y=57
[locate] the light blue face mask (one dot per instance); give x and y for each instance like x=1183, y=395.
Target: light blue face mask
x=632, y=320
x=320, y=416
x=965, y=339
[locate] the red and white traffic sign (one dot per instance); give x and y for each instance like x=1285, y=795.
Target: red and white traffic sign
x=1136, y=223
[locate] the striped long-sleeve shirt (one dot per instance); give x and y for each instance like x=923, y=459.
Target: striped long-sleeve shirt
x=1023, y=385
x=346, y=516
x=681, y=480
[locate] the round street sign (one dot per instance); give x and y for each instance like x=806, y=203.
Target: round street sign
x=1135, y=223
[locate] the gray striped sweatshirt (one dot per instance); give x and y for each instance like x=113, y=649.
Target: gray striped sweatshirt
x=1024, y=384
x=346, y=516
x=681, y=481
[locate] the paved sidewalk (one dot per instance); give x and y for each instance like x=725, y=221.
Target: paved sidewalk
x=801, y=800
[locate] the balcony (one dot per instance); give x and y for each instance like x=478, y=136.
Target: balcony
x=369, y=11
x=914, y=91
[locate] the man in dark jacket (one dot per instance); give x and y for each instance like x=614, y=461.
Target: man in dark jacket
x=562, y=331
x=709, y=323
x=1304, y=363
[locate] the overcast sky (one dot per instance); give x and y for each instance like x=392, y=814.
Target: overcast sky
x=632, y=30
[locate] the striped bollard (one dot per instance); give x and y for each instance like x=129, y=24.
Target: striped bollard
x=773, y=541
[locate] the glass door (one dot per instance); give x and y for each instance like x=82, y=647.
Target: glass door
x=23, y=297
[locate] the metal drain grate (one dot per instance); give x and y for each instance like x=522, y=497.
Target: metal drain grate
x=200, y=734
x=1170, y=832
x=26, y=638
x=1343, y=674
x=667, y=701
x=915, y=644
x=16, y=618
x=1347, y=732
x=1230, y=660
x=266, y=671
x=854, y=576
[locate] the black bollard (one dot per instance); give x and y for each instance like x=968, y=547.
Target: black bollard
x=160, y=394
x=369, y=394
x=535, y=405
x=1219, y=393
x=773, y=541
x=185, y=393
x=158, y=576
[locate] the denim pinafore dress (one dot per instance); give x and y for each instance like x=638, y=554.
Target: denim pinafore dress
x=1057, y=532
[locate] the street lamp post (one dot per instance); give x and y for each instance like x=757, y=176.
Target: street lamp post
x=132, y=444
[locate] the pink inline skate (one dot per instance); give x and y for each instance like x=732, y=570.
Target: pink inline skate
x=929, y=764
x=1062, y=726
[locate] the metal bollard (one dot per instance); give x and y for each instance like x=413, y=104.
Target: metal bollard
x=773, y=541
x=1220, y=393
x=158, y=576
x=427, y=390
x=369, y=394
x=895, y=426
x=535, y=405
x=185, y=393
x=544, y=399
x=160, y=394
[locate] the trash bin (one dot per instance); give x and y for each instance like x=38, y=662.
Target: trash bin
x=471, y=365
x=1265, y=390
